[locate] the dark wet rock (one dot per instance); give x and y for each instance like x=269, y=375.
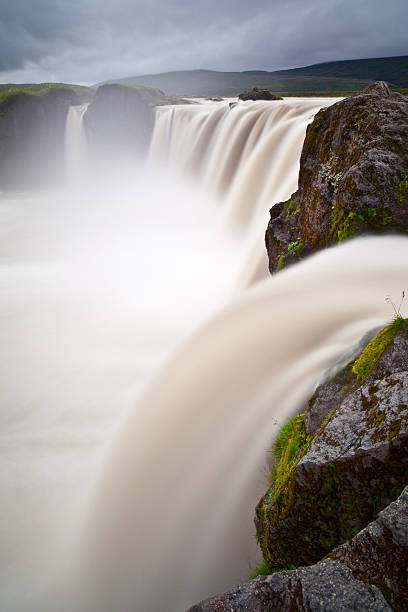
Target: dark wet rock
x=353, y=177
x=258, y=94
x=32, y=136
x=328, y=586
x=378, y=555
x=119, y=121
x=346, y=457
x=367, y=573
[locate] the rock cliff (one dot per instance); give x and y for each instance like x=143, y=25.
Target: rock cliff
x=353, y=177
x=32, y=132
x=120, y=120
x=342, y=461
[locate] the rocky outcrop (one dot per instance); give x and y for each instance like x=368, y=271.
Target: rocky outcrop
x=353, y=177
x=32, y=133
x=258, y=94
x=120, y=119
x=338, y=467
x=378, y=555
x=336, y=513
x=367, y=573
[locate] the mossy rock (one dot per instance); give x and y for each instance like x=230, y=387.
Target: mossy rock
x=343, y=460
x=353, y=177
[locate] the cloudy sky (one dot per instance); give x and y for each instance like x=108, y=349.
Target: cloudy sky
x=87, y=41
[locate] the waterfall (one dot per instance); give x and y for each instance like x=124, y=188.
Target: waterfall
x=75, y=143
x=189, y=459
x=247, y=156
x=141, y=385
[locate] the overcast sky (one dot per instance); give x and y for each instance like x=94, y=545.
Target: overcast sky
x=87, y=41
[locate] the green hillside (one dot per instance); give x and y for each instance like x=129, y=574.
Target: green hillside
x=331, y=77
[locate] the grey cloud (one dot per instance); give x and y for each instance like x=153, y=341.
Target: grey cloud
x=91, y=40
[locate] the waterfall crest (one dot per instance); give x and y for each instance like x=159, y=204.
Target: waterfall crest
x=247, y=156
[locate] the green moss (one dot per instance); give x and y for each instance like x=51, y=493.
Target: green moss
x=373, y=351
x=402, y=188
x=286, y=449
x=281, y=261
x=260, y=570
x=296, y=245
x=263, y=569
x=348, y=227
x=41, y=89
x=345, y=223
x=328, y=507
x=394, y=429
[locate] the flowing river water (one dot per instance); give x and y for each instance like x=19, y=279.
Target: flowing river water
x=145, y=372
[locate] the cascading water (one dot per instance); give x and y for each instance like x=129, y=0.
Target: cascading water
x=247, y=156
x=76, y=145
x=109, y=503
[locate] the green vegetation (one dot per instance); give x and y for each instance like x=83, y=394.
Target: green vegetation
x=260, y=570
x=324, y=505
x=41, y=89
x=328, y=79
x=281, y=261
x=345, y=223
x=263, y=569
x=286, y=449
x=373, y=351
x=402, y=189
x=296, y=246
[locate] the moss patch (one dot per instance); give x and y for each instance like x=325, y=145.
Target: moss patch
x=373, y=351
x=346, y=223
x=41, y=89
x=402, y=188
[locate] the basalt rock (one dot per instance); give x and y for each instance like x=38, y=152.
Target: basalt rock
x=32, y=135
x=120, y=119
x=353, y=177
x=258, y=94
x=343, y=465
x=367, y=573
x=333, y=527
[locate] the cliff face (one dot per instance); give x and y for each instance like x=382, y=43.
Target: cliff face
x=32, y=133
x=353, y=177
x=120, y=120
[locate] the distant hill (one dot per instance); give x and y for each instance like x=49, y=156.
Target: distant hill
x=347, y=75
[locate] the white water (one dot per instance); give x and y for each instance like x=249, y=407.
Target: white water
x=126, y=491
x=247, y=157
x=76, y=144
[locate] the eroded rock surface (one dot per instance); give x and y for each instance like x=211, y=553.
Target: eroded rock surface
x=353, y=177
x=350, y=461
